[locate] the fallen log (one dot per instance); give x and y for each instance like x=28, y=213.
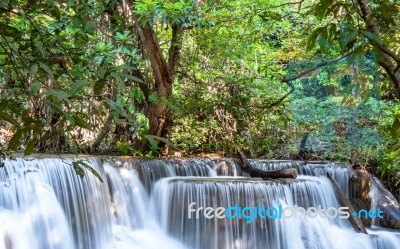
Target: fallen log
x=356, y=222
x=256, y=172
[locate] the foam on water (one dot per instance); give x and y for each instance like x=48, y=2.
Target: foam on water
x=175, y=195
x=44, y=204
x=143, y=204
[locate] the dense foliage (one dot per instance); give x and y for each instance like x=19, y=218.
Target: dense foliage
x=278, y=79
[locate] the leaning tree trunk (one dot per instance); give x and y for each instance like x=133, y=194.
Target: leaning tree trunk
x=158, y=112
x=273, y=174
x=356, y=222
x=164, y=72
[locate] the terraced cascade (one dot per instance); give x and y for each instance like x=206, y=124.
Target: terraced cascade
x=144, y=203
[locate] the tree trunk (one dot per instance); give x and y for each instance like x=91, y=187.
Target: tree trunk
x=255, y=172
x=159, y=115
x=102, y=134
x=356, y=222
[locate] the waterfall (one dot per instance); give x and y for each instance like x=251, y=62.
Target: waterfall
x=175, y=195
x=340, y=173
x=134, y=226
x=25, y=205
x=49, y=195
x=143, y=203
x=45, y=205
x=150, y=171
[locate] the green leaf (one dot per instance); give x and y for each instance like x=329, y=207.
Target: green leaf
x=81, y=123
x=373, y=37
x=77, y=74
x=79, y=169
x=57, y=107
x=114, y=106
x=313, y=38
x=34, y=68
x=120, y=83
x=347, y=39
x=123, y=67
x=94, y=172
x=89, y=26
x=4, y=104
x=7, y=117
x=121, y=101
x=153, y=141
x=128, y=76
x=137, y=94
x=41, y=50
x=99, y=86
x=171, y=106
x=15, y=140
x=50, y=2
x=29, y=147
x=153, y=97
x=59, y=94
x=323, y=38
x=103, y=73
x=34, y=88
x=49, y=72
x=78, y=86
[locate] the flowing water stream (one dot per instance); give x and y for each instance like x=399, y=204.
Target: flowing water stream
x=144, y=204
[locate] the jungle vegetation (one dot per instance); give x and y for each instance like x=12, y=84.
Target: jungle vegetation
x=300, y=79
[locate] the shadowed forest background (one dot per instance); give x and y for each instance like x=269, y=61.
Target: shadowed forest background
x=313, y=80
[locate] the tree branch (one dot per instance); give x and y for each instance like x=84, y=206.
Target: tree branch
x=384, y=61
x=175, y=50
x=154, y=52
x=312, y=69
x=290, y=3
x=102, y=134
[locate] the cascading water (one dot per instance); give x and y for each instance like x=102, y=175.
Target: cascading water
x=176, y=194
x=143, y=204
x=340, y=173
x=204, y=167
x=148, y=170
x=133, y=224
x=49, y=197
x=151, y=170
x=45, y=205
x=27, y=204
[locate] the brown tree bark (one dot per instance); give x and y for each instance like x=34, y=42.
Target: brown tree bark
x=356, y=222
x=255, y=172
x=102, y=134
x=164, y=72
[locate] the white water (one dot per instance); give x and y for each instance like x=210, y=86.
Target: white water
x=341, y=174
x=45, y=205
x=177, y=193
x=143, y=204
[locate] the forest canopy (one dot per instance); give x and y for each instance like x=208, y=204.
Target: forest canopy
x=277, y=79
